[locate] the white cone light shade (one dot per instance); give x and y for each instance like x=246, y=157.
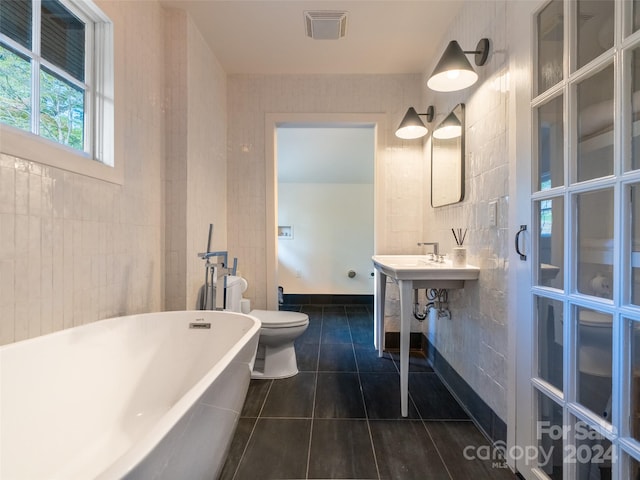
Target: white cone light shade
x=411, y=126
x=453, y=71
x=449, y=128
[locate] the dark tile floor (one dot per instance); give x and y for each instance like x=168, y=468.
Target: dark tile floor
x=340, y=416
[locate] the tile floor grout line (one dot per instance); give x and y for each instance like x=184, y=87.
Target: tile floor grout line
x=422, y=421
x=264, y=402
x=446, y=467
x=315, y=392
x=253, y=429
x=424, y=425
x=364, y=403
x=244, y=450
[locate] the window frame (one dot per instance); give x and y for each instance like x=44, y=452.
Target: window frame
x=98, y=156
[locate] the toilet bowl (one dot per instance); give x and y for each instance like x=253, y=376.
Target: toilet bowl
x=276, y=356
x=596, y=331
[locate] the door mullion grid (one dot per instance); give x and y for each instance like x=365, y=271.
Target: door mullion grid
x=621, y=223
x=622, y=376
x=572, y=411
x=621, y=261
x=568, y=333
x=621, y=227
x=35, y=67
x=625, y=312
x=540, y=386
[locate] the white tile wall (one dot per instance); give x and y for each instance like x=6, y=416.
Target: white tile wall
x=176, y=24
x=207, y=167
x=196, y=185
x=400, y=164
x=75, y=249
x=475, y=341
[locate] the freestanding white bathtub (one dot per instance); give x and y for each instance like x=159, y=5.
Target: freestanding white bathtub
x=143, y=396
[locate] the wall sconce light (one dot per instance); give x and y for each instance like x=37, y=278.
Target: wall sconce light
x=412, y=126
x=453, y=71
x=449, y=128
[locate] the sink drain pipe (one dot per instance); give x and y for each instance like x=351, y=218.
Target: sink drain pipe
x=438, y=300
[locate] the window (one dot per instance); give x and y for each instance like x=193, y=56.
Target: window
x=56, y=79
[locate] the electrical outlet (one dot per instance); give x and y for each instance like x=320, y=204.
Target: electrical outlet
x=493, y=213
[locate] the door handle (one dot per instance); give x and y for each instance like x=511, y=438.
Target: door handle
x=523, y=228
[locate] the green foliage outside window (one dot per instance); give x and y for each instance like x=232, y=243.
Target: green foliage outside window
x=61, y=111
x=15, y=90
x=61, y=104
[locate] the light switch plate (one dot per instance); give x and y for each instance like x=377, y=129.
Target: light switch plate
x=493, y=213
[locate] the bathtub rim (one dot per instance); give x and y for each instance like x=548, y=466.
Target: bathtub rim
x=139, y=450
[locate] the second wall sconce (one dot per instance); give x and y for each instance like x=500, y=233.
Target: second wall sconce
x=449, y=128
x=453, y=71
x=412, y=126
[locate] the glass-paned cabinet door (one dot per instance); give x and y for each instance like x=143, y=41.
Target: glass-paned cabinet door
x=594, y=360
x=550, y=215
x=595, y=27
x=550, y=161
x=550, y=45
x=550, y=341
x=634, y=244
x=549, y=434
x=591, y=452
x=595, y=112
x=633, y=469
x=633, y=103
x=633, y=331
x=595, y=271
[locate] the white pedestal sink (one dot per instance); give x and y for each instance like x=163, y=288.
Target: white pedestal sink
x=411, y=272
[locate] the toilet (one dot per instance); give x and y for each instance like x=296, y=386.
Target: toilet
x=595, y=343
x=276, y=356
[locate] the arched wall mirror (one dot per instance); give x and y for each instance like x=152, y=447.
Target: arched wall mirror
x=447, y=159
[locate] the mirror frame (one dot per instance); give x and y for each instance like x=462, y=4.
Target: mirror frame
x=448, y=169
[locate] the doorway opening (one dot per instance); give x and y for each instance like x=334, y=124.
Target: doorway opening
x=320, y=226
x=325, y=211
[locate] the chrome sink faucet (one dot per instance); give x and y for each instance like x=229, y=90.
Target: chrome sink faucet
x=433, y=244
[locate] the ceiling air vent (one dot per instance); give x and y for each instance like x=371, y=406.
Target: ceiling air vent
x=325, y=24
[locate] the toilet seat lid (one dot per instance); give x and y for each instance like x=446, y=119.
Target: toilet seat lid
x=280, y=318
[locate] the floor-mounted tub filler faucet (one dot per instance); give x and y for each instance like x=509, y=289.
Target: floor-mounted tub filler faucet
x=212, y=297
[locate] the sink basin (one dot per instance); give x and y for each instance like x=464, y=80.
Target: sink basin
x=403, y=260
x=425, y=273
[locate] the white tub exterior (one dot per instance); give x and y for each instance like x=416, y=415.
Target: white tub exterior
x=142, y=396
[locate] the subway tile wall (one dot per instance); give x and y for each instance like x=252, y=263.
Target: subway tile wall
x=196, y=183
x=176, y=24
x=475, y=341
x=400, y=166
x=74, y=249
x=207, y=172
